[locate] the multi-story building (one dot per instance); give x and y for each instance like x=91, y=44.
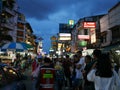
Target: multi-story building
x=86, y=33
x=106, y=35
x=8, y=22
x=29, y=36
x=110, y=28
x=13, y=24
x=54, y=45
x=21, y=28
x=114, y=22
x=64, y=38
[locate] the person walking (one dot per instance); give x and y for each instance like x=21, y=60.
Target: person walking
x=103, y=75
x=96, y=55
x=46, y=76
x=87, y=84
x=34, y=64
x=78, y=81
x=59, y=75
x=66, y=65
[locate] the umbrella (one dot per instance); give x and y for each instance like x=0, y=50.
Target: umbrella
x=13, y=46
x=28, y=46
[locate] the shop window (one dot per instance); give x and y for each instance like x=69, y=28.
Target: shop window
x=20, y=25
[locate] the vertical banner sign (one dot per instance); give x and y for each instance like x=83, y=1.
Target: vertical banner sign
x=93, y=35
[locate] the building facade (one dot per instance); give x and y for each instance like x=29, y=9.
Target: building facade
x=114, y=22
x=86, y=33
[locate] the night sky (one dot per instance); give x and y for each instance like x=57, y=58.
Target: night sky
x=45, y=15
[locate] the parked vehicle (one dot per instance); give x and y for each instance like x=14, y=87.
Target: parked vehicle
x=10, y=78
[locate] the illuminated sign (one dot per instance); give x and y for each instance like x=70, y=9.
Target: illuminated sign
x=82, y=43
x=71, y=22
x=64, y=36
x=93, y=35
x=89, y=24
x=83, y=37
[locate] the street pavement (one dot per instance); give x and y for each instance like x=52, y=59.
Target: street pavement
x=28, y=82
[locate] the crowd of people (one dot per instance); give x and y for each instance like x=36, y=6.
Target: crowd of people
x=88, y=72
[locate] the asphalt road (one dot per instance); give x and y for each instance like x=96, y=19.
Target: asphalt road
x=28, y=81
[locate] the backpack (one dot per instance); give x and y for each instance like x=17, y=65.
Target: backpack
x=47, y=77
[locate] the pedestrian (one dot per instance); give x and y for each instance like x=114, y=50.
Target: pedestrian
x=46, y=76
x=95, y=56
x=34, y=64
x=87, y=84
x=78, y=82
x=66, y=65
x=103, y=75
x=60, y=76
x=34, y=68
x=75, y=60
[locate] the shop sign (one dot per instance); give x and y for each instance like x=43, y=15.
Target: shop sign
x=89, y=24
x=82, y=43
x=82, y=37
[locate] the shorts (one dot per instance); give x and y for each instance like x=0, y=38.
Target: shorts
x=77, y=82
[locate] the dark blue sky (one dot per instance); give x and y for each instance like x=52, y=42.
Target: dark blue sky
x=45, y=15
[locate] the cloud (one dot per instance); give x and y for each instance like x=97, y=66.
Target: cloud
x=42, y=9
x=45, y=15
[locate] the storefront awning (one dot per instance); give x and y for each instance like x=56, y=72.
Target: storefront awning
x=111, y=47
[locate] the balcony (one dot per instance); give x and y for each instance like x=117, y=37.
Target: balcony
x=7, y=10
x=6, y=23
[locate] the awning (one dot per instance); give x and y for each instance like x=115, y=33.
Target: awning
x=111, y=47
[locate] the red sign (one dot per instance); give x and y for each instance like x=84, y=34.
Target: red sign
x=89, y=24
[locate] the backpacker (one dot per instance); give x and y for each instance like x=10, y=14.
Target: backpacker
x=47, y=78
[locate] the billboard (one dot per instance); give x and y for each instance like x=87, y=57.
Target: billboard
x=89, y=24
x=64, y=36
x=64, y=28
